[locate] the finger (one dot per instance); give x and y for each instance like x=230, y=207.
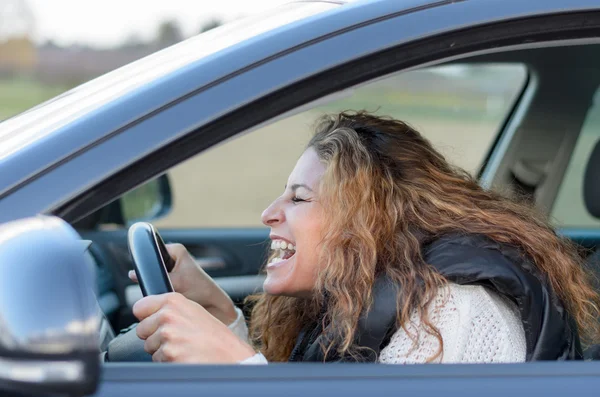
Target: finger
x=148, y=305
x=148, y=327
x=164, y=307
x=152, y=343
x=177, y=251
x=132, y=276
x=166, y=353
x=158, y=357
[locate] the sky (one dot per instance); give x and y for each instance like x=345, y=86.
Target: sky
x=104, y=23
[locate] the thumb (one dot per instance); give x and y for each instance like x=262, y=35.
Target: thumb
x=178, y=253
x=132, y=276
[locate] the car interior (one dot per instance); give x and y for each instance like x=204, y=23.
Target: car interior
x=545, y=148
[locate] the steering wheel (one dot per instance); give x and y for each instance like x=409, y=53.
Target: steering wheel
x=152, y=264
x=151, y=259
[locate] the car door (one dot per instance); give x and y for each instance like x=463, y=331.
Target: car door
x=416, y=50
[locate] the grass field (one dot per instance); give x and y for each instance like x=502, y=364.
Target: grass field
x=17, y=95
x=232, y=184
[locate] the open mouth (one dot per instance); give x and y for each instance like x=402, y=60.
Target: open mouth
x=283, y=251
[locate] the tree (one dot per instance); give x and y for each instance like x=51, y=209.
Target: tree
x=169, y=33
x=17, y=51
x=133, y=40
x=210, y=24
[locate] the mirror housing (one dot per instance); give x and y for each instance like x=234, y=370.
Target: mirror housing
x=49, y=316
x=145, y=203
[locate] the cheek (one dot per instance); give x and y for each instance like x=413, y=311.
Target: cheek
x=307, y=228
x=308, y=234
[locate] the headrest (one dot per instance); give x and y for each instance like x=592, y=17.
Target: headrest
x=591, y=183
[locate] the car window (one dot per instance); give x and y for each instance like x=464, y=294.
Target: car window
x=569, y=209
x=460, y=108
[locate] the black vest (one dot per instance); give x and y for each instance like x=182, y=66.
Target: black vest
x=550, y=333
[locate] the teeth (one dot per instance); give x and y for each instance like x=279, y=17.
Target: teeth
x=280, y=244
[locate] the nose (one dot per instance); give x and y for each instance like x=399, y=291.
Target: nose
x=273, y=215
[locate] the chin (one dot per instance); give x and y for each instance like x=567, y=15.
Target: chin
x=275, y=286
x=285, y=279
x=272, y=286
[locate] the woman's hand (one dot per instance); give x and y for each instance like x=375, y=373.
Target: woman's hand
x=190, y=280
x=175, y=329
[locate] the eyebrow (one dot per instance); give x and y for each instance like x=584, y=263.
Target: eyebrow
x=297, y=186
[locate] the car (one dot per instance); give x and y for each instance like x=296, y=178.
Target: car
x=197, y=138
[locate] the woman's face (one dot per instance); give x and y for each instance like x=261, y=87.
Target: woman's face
x=295, y=219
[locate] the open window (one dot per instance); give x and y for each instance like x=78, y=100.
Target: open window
x=460, y=108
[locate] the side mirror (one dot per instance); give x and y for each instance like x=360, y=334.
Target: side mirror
x=147, y=202
x=49, y=319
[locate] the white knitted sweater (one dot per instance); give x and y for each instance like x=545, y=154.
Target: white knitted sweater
x=477, y=326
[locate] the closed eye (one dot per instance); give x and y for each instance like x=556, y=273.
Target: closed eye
x=296, y=199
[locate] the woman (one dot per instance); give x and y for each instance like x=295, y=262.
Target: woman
x=381, y=251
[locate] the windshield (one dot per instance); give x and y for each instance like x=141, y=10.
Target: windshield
x=41, y=120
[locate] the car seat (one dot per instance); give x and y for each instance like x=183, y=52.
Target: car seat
x=591, y=198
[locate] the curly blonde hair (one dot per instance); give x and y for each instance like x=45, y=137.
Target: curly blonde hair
x=384, y=187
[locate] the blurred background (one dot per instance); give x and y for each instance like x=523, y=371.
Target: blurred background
x=47, y=47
